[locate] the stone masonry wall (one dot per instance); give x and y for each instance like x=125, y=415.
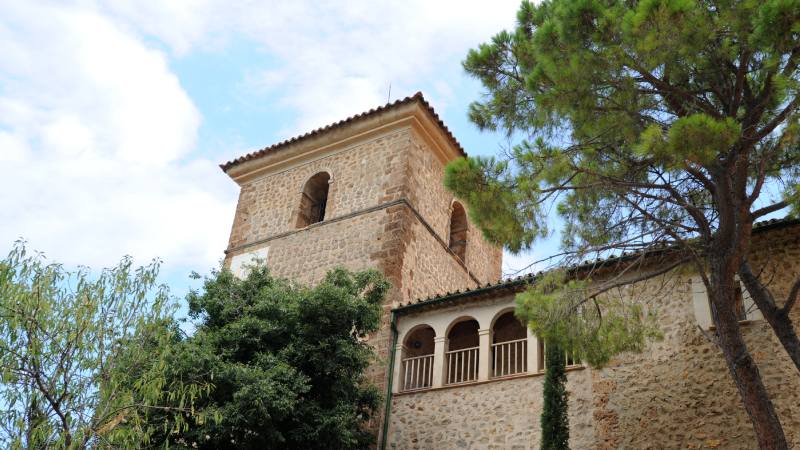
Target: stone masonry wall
x=363, y=175
x=427, y=193
x=428, y=269
x=498, y=415
x=360, y=230
x=676, y=394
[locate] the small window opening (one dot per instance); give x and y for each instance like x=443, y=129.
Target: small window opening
x=458, y=231
x=314, y=200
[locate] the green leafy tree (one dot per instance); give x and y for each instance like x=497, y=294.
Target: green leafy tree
x=647, y=125
x=555, y=418
x=287, y=362
x=62, y=336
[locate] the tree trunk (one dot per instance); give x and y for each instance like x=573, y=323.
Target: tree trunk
x=777, y=317
x=743, y=369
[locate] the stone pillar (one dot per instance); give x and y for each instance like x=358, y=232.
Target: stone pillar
x=438, y=361
x=484, y=354
x=533, y=353
x=397, y=377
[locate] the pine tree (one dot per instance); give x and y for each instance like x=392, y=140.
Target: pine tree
x=645, y=125
x=555, y=423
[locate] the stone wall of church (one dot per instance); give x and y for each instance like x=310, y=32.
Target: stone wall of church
x=427, y=193
x=496, y=415
x=676, y=394
x=428, y=268
x=370, y=222
x=362, y=175
x=392, y=167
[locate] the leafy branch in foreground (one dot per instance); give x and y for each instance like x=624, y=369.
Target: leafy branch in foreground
x=63, y=335
x=287, y=362
x=592, y=327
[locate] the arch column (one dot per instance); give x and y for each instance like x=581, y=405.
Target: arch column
x=330, y=202
x=533, y=353
x=484, y=353
x=438, y=361
x=397, y=382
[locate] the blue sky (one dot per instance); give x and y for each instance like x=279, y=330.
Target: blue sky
x=114, y=115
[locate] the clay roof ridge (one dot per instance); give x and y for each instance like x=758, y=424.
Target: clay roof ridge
x=417, y=97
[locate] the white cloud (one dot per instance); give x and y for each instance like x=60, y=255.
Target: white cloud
x=97, y=135
x=94, y=136
x=334, y=58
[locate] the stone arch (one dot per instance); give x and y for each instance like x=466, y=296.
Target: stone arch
x=458, y=230
x=457, y=327
x=416, y=369
x=462, y=355
x=314, y=200
x=462, y=333
x=507, y=327
x=419, y=341
x=509, y=345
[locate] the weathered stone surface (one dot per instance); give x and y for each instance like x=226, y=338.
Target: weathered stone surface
x=676, y=394
x=387, y=209
x=498, y=414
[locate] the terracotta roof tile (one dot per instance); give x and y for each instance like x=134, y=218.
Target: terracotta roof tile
x=372, y=112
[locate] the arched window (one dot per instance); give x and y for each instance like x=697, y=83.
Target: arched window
x=458, y=231
x=509, y=346
x=462, y=352
x=417, y=369
x=314, y=200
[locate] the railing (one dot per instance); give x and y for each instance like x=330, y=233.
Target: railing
x=510, y=357
x=570, y=360
x=462, y=365
x=417, y=372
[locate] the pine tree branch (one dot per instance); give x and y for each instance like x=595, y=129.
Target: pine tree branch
x=768, y=209
x=792, y=298
x=738, y=90
x=777, y=120
x=642, y=277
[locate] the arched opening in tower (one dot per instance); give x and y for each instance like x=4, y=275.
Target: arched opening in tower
x=458, y=231
x=314, y=200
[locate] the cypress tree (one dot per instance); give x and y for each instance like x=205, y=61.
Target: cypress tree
x=555, y=423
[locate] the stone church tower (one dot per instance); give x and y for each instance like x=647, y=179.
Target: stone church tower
x=365, y=192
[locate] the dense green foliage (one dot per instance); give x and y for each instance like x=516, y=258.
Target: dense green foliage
x=63, y=337
x=629, y=104
x=555, y=408
x=549, y=309
x=646, y=125
x=287, y=362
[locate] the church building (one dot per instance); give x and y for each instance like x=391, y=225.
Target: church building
x=457, y=369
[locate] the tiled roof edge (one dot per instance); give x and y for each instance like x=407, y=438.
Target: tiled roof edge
x=523, y=280
x=418, y=97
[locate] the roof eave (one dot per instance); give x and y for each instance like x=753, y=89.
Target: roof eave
x=413, y=105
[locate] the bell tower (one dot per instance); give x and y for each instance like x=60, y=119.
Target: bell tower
x=364, y=192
